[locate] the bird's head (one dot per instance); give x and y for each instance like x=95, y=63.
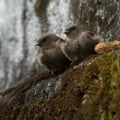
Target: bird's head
x=72, y=31
x=48, y=41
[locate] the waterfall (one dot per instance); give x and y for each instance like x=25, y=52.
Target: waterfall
x=17, y=40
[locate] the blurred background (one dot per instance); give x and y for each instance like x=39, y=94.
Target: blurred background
x=23, y=21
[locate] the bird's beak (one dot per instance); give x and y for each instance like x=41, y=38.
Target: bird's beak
x=63, y=41
x=66, y=32
x=37, y=44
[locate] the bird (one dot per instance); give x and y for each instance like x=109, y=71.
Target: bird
x=81, y=47
x=73, y=30
x=87, y=41
x=51, y=55
x=71, y=50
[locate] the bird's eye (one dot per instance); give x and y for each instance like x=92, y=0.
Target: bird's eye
x=73, y=28
x=45, y=40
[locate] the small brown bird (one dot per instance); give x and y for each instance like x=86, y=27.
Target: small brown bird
x=72, y=31
x=52, y=56
x=87, y=42
x=71, y=50
x=78, y=49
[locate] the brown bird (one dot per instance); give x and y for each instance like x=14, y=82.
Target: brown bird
x=52, y=56
x=71, y=50
x=72, y=31
x=87, y=42
x=78, y=49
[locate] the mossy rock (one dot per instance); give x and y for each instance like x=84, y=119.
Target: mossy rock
x=89, y=91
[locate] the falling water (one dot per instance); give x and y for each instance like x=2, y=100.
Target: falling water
x=12, y=40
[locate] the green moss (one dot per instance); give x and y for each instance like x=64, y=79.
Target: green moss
x=90, y=91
